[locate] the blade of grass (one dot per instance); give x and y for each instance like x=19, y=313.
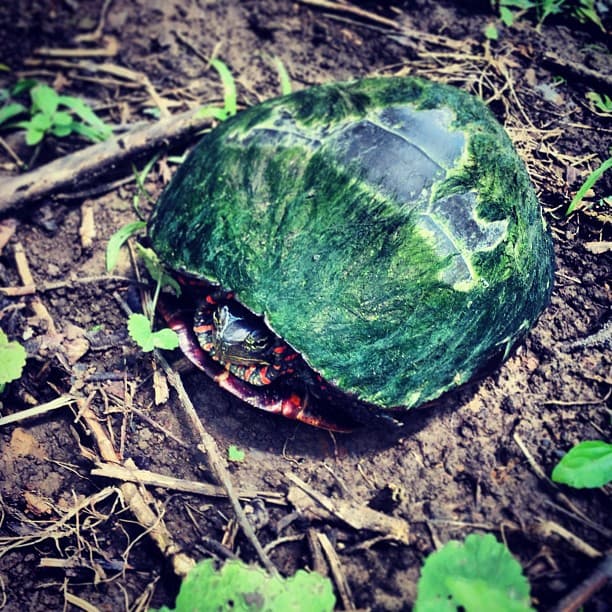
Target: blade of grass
x=590, y=181
x=283, y=75
x=230, y=98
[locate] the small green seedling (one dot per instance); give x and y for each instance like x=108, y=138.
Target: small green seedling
x=601, y=102
x=243, y=588
x=283, y=75
x=52, y=113
x=156, y=269
x=586, y=465
x=12, y=360
x=230, y=96
x=510, y=11
x=586, y=11
x=588, y=184
x=141, y=177
x=235, y=454
x=476, y=575
x=491, y=32
x=140, y=327
x=142, y=333
x=118, y=239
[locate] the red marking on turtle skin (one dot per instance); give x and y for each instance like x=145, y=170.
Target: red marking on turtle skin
x=198, y=329
x=263, y=375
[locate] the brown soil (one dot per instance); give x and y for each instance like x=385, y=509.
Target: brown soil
x=457, y=467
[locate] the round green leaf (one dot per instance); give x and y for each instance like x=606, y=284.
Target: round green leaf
x=476, y=575
x=12, y=359
x=62, y=118
x=587, y=465
x=139, y=328
x=244, y=588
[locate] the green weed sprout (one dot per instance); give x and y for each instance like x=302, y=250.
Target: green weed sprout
x=230, y=96
x=12, y=360
x=243, y=588
x=52, y=113
x=476, y=575
x=586, y=465
x=601, y=102
x=588, y=184
x=510, y=11
x=140, y=327
x=235, y=454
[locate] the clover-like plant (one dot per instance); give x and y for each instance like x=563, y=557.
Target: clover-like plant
x=244, y=588
x=50, y=113
x=476, y=575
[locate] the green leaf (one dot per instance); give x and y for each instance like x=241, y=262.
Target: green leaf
x=23, y=85
x=86, y=114
x=603, y=102
x=92, y=133
x=62, y=118
x=61, y=130
x=12, y=359
x=212, y=112
x=235, y=454
x=283, y=75
x=44, y=99
x=491, y=32
x=33, y=136
x=230, y=97
x=586, y=465
x=139, y=328
x=506, y=15
x=590, y=181
x=117, y=240
x=156, y=269
x=41, y=122
x=477, y=575
x=243, y=588
x=11, y=110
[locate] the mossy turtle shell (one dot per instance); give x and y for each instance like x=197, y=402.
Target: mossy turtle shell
x=384, y=227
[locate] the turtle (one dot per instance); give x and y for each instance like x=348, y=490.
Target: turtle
x=353, y=248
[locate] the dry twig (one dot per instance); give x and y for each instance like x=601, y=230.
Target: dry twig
x=583, y=592
x=358, y=516
x=335, y=568
x=88, y=165
x=146, y=477
x=135, y=498
x=208, y=446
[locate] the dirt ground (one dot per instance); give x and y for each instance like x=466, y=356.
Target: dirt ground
x=468, y=464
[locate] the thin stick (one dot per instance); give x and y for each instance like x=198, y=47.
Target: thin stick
x=583, y=592
x=59, y=402
x=146, y=477
x=208, y=446
x=335, y=568
x=138, y=505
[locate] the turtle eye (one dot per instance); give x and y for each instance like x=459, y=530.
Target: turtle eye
x=257, y=341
